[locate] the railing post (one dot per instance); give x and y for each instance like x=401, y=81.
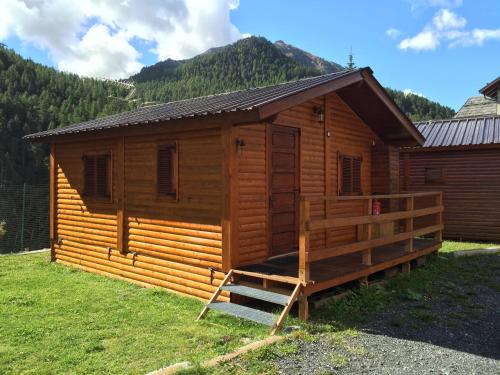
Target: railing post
x=367, y=235
x=439, y=202
x=410, y=205
x=305, y=211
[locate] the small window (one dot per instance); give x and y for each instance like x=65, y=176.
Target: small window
x=97, y=172
x=167, y=170
x=434, y=175
x=350, y=175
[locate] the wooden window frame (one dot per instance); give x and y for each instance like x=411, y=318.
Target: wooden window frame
x=94, y=197
x=440, y=180
x=351, y=158
x=174, y=195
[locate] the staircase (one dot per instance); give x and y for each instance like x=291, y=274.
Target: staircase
x=259, y=316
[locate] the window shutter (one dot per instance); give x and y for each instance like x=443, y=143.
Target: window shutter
x=166, y=170
x=102, y=163
x=346, y=174
x=96, y=172
x=350, y=175
x=89, y=172
x=356, y=175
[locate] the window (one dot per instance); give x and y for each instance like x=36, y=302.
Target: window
x=434, y=175
x=349, y=175
x=96, y=176
x=167, y=170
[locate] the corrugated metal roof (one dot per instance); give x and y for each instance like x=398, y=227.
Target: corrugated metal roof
x=243, y=100
x=461, y=131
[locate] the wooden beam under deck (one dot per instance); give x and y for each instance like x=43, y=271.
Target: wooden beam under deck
x=319, y=286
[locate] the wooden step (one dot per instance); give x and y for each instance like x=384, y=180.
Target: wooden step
x=244, y=312
x=263, y=295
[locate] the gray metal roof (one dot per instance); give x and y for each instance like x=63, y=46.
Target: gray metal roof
x=461, y=131
x=478, y=106
x=243, y=100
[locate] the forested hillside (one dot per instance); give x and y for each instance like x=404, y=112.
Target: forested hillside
x=247, y=63
x=34, y=98
x=419, y=108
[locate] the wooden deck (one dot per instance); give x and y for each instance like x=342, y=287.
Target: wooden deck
x=339, y=270
x=410, y=226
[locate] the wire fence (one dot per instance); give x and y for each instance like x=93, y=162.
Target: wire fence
x=24, y=217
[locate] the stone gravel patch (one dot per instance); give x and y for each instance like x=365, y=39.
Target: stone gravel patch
x=456, y=331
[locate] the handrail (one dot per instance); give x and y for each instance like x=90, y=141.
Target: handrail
x=359, y=220
x=364, y=223
x=365, y=197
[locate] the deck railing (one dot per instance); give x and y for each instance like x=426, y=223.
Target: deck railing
x=405, y=213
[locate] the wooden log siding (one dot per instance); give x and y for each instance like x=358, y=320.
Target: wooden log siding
x=169, y=243
x=252, y=196
x=319, y=168
x=351, y=136
x=471, y=188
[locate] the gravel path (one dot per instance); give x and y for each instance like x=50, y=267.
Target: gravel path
x=457, y=332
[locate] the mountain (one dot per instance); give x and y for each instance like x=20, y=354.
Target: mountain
x=34, y=98
x=419, y=108
x=308, y=59
x=249, y=62
x=252, y=62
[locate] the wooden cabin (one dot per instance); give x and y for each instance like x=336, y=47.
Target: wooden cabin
x=461, y=158
x=271, y=186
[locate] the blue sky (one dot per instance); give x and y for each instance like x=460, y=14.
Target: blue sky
x=443, y=49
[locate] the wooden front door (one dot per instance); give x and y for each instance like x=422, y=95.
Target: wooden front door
x=284, y=183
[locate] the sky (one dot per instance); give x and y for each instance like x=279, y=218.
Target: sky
x=445, y=50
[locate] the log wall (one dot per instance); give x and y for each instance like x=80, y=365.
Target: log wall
x=169, y=243
x=318, y=173
x=471, y=188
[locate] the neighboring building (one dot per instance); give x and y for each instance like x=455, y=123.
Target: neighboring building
x=486, y=105
x=461, y=157
x=179, y=194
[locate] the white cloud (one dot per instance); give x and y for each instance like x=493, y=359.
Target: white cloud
x=392, y=33
x=477, y=37
x=421, y=4
x=424, y=40
x=94, y=37
x=449, y=27
x=447, y=20
x=407, y=92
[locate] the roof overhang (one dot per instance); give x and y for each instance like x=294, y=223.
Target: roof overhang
x=491, y=89
x=367, y=98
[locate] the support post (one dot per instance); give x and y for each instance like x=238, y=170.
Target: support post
x=52, y=200
x=120, y=199
x=303, y=307
x=366, y=234
x=304, y=235
x=23, y=216
x=439, y=202
x=410, y=203
x=305, y=211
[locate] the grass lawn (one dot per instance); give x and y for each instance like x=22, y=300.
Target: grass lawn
x=449, y=246
x=56, y=319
